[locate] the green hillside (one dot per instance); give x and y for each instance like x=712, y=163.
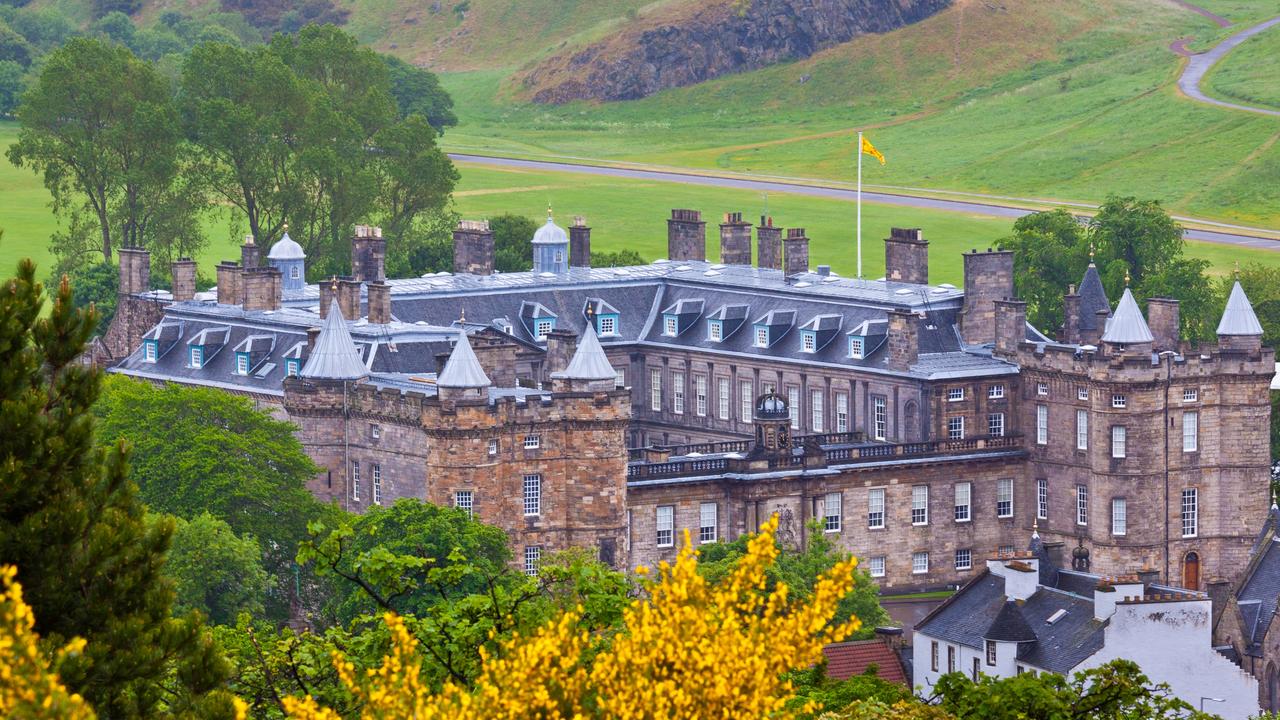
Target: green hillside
x=1251, y=73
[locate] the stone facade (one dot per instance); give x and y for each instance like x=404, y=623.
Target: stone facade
x=686, y=235
x=735, y=240
x=473, y=248
x=769, y=248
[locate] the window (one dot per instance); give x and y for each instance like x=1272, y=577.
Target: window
x=842, y=412
x=879, y=418
x=670, y=325
x=700, y=395
x=532, y=442
x=808, y=342
x=608, y=324
x=995, y=392
x=919, y=563
x=793, y=405
x=1004, y=498
x=1082, y=505
x=1118, y=400
x=1082, y=393
x=620, y=377
x=875, y=566
x=543, y=328
x=991, y=652
x=375, y=431
x=196, y=356
x=744, y=389
x=532, y=555
x=1119, y=516
x=964, y=502
x=715, y=331
x=1119, y=440
x=355, y=481
x=955, y=427
x=1042, y=499
x=875, y=508
x=666, y=524
x=532, y=495
x=1042, y=389
x=762, y=337
x=1190, y=512
x=831, y=512
x=920, y=505
x=1190, y=394
x=722, y=398
x=933, y=656
x=655, y=390
x=295, y=273
x=995, y=424
x=1004, y=550
x=493, y=447
x=464, y=500
x=292, y=367
x=1042, y=424
x=951, y=658
x=857, y=347
x=677, y=393
x=816, y=410
x=955, y=394
x=150, y=350
x=1082, y=429
x=977, y=669
x=964, y=559
x=707, y=522
x=377, y=484
x=242, y=364
x=1190, y=431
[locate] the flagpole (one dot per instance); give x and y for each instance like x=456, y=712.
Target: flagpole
x=858, y=151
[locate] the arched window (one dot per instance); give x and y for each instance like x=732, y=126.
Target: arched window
x=1191, y=571
x=1272, y=688
x=294, y=273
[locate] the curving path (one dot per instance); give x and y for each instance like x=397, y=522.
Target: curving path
x=1199, y=64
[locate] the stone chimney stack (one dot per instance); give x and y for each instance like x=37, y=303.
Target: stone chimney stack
x=328, y=288
x=263, y=288
x=795, y=252
x=379, y=302
x=349, y=298
x=1011, y=325
x=988, y=277
x=561, y=344
x=686, y=236
x=1071, y=316
x=135, y=270
x=735, y=240
x=579, y=243
x=1165, y=323
x=250, y=254
x=183, y=271
x=769, y=244
x=312, y=334
x=903, y=340
x=906, y=256
x=473, y=248
x=229, y=292
x=368, y=254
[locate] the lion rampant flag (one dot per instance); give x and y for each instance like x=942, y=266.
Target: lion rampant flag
x=871, y=150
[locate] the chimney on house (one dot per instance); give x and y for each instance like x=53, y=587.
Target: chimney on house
x=1011, y=325
x=312, y=334
x=379, y=302
x=795, y=252
x=561, y=344
x=1071, y=316
x=1163, y=319
x=250, y=254
x=368, y=254
x=735, y=240
x=579, y=243
x=903, y=340
x=686, y=236
x=229, y=292
x=906, y=256
x=349, y=298
x=769, y=244
x=988, y=277
x=135, y=270
x=183, y=271
x=328, y=289
x=473, y=248
x=263, y=288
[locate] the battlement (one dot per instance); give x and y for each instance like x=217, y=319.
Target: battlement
x=1092, y=363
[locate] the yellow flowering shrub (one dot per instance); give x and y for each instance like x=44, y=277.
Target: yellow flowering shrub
x=29, y=688
x=689, y=650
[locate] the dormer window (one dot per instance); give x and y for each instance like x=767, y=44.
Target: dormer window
x=670, y=325
x=715, y=330
x=808, y=341
x=292, y=367
x=857, y=347
x=607, y=325
x=762, y=337
x=242, y=363
x=195, y=356
x=543, y=327
x=150, y=350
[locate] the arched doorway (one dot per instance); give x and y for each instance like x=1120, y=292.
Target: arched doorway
x=1191, y=571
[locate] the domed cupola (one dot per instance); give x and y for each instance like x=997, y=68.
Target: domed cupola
x=772, y=407
x=550, y=248
x=773, y=425
x=287, y=257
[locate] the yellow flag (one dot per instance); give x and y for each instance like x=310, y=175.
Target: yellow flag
x=871, y=150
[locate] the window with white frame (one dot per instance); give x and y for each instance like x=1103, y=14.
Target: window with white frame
x=1082, y=393
x=292, y=367
x=933, y=656
x=879, y=418
x=1118, y=400
x=955, y=427
x=919, y=563
x=1042, y=424
x=608, y=325
x=196, y=356
x=831, y=512
x=875, y=565
x=375, y=431
x=1004, y=498
x=722, y=398
x=919, y=504
x=242, y=364
x=670, y=324
x=707, y=522
x=1190, y=431
x=816, y=418
x=532, y=442
x=1082, y=429
x=532, y=494
x=715, y=331
x=955, y=394
x=875, y=508
x=995, y=424
x=793, y=405
x=808, y=342
x=1119, y=516
x=951, y=649
x=747, y=400
x=665, y=522
x=543, y=328
x=620, y=377
x=532, y=556
x=1119, y=441
x=677, y=393
x=1042, y=499
x=964, y=502
x=1042, y=389
x=465, y=500
x=700, y=395
x=977, y=670
x=377, y=483
x=964, y=559
x=493, y=447
x=1082, y=504
x=355, y=481
x=295, y=273
x=991, y=652
x=1190, y=512
x=655, y=390
x=762, y=337
x=995, y=392
x=842, y=412
x=1190, y=395
x=857, y=348
x=1005, y=550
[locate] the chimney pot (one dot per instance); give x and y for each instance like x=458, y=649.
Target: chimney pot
x=473, y=248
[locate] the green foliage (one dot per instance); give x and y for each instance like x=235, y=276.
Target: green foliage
x=512, y=242
x=12, y=85
x=102, y=8
x=97, y=285
x=116, y=27
x=89, y=563
x=619, y=258
x=813, y=685
x=215, y=571
x=418, y=92
x=14, y=47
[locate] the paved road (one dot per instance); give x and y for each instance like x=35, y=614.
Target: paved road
x=1199, y=65
x=991, y=210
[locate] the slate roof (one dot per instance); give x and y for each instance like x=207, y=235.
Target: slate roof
x=1258, y=596
x=463, y=368
x=589, y=361
x=847, y=659
x=1239, y=318
x=1127, y=326
x=1009, y=626
x=335, y=356
x=1093, y=297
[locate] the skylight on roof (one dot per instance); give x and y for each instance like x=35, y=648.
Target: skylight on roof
x=711, y=273
x=803, y=284
x=1055, y=617
x=717, y=266
x=831, y=279
x=683, y=268
x=903, y=291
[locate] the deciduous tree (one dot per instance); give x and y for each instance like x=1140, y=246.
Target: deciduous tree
x=216, y=571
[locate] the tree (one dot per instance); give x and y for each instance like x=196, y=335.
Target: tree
x=1050, y=252
x=70, y=520
x=620, y=258
x=14, y=47
x=215, y=571
x=97, y=285
x=415, y=177
x=512, y=242
x=418, y=92
x=12, y=85
x=30, y=687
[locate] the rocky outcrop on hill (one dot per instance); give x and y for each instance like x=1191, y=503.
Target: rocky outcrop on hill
x=713, y=39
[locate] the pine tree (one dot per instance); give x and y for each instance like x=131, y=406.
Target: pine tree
x=89, y=563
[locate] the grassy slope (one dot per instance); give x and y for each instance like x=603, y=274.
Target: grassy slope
x=1250, y=73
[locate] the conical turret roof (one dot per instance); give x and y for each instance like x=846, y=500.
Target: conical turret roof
x=334, y=357
x=463, y=370
x=1239, y=317
x=1010, y=626
x=589, y=361
x=1127, y=326
x=1093, y=297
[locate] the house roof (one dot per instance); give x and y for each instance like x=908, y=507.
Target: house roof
x=1009, y=626
x=847, y=659
x=1239, y=318
x=463, y=369
x=334, y=357
x=1258, y=596
x=1127, y=326
x=589, y=361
